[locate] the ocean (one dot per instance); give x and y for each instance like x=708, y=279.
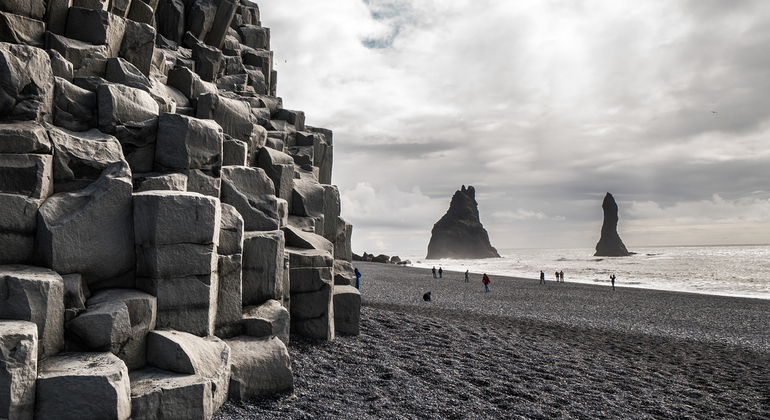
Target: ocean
x=719, y=270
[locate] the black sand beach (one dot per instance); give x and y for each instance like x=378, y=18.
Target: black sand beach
x=526, y=350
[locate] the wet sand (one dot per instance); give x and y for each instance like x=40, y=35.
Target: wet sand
x=526, y=350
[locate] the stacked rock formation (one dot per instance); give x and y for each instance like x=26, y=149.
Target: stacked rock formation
x=609, y=244
x=459, y=233
x=166, y=223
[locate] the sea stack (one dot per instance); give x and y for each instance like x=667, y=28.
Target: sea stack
x=610, y=244
x=460, y=234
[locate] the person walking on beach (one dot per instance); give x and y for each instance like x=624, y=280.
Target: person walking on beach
x=466, y=276
x=542, y=277
x=557, y=276
x=434, y=271
x=358, y=279
x=440, y=273
x=612, y=278
x=561, y=276
x=486, y=281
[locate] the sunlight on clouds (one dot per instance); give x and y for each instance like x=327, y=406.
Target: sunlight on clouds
x=521, y=214
x=716, y=210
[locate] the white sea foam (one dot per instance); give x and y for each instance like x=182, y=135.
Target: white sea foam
x=721, y=270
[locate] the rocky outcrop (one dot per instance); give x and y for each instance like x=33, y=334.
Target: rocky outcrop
x=609, y=244
x=165, y=223
x=459, y=233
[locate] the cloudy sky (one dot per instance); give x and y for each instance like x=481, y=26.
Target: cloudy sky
x=543, y=106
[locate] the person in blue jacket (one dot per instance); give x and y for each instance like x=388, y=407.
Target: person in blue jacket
x=358, y=279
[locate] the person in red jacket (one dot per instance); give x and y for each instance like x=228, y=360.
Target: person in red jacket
x=486, y=281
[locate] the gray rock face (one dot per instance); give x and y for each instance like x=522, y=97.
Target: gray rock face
x=35, y=294
x=91, y=231
x=610, y=244
x=279, y=167
x=18, y=29
x=160, y=182
x=159, y=394
x=18, y=369
x=184, y=353
x=87, y=59
x=229, y=296
x=342, y=244
x=97, y=27
x=73, y=386
x=74, y=107
x=80, y=158
x=26, y=82
x=459, y=233
x=251, y=192
x=24, y=137
x=261, y=366
x=188, y=143
x=267, y=319
x=347, y=310
x=263, y=267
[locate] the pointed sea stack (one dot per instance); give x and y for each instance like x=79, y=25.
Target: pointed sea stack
x=460, y=234
x=610, y=244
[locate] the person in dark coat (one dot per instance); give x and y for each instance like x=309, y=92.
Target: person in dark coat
x=440, y=273
x=426, y=297
x=466, y=276
x=358, y=279
x=542, y=277
x=486, y=281
x=434, y=272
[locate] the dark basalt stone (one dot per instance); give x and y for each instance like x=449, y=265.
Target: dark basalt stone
x=460, y=234
x=610, y=244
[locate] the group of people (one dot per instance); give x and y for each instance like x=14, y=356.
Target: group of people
x=559, y=276
x=440, y=272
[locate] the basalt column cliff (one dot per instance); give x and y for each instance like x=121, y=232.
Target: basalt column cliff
x=459, y=233
x=609, y=244
x=165, y=223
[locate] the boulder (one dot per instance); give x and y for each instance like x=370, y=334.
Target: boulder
x=251, y=192
x=301, y=257
x=459, y=233
x=29, y=175
x=200, y=17
x=97, y=27
x=122, y=72
x=263, y=267
x=130, y=115
x=342, y=245
x=75, y=292
x=203, y=182
x=160, y=182
x=300, y=239
x=33, y=9
x=26, y=83
x=83, y=385
x=610, y=244
x=80, y=158
x=331, y=213
x=18, y=369
x=190, y=84
x=255, y=37
x=91, y=231
x=87, y=59
x=74, y=107
x=236, y=120
x=180, y=352
x=185, y=303
x=35, y=294
x=188, y=143
x=17, y=29
x=234, y=152
x=279, y=167
x=116, y=320
x=24, y=137
x=170, y=19
x=159, y=394
x=260, y=366
x=60, y=66
x=57, y=16
x=347, y=310
x=344, y=274
x=230, y=232
x=173, y=217
x=229, y=296
x=225, y=11
x=141, y=12
x=267, y=319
